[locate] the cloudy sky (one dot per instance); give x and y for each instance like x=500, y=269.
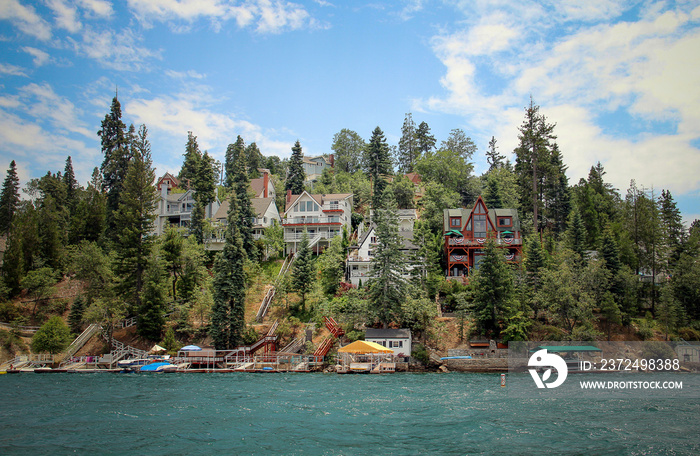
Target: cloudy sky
x=620, y=79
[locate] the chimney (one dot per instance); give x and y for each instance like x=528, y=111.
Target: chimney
x=289, y=196
x=266, y=182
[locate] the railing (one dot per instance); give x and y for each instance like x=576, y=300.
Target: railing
x=309, y=220
x=81, y=340
x=482, y=241
x=322, y=235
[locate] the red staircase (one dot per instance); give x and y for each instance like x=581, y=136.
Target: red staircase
x=325, y=347
x=327, y=344
x=333, y=327
x=268, y=342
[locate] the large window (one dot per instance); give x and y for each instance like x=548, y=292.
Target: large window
x=480, y=226
x=456, y=222
x=505, y=221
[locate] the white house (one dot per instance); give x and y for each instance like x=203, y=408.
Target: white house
x=266, y=214
x=262, y=187
x=175, y=207
x=314, y=166
x=399, y=340
x=321, y=216
x=360, y=256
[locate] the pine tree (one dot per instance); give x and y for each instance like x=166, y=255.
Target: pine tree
x=493, y=158
x=557, y=199
x=387, y=287
x=117, y=154
x=426, y=141
x=204, y=185
x=672, y=226
x=535, y=264
x=75, y=318
x=493, y=290
x=378, y=163
x=492, y=195
x=71, y=185
x=295, y=173
x=233, y=152
x=9, y=198
x=228, y=313
x=151, y=313
x=245, y=212
x=192, y=164
x=533, y=160
x=576, y=233
x=408, y=145
x=302, y=271
x=254, y=160
x=138, y=201
x=459, y=143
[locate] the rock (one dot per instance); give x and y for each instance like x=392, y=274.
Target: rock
x=443, y=368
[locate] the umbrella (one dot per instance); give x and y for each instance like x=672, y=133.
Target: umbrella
x=157, y=348
x=191, y=348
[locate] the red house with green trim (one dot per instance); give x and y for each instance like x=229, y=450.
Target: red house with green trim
x=466, y=232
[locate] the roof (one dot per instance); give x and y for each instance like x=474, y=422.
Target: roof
x=362, y=347
x=568, y=348
x=258, y=185
x=388, y=333
x=260, y=205
x=315, y=160
x=318, y=197
x=414, y=177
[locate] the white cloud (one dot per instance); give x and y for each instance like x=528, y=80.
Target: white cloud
x=12, y=70
x=40, y=57
x=66, y=15
x=99, y=8
x=190, y=74
x=115, y=50
x=645, y=69
x=267, y=16
x=25, y=19
x=42, y=103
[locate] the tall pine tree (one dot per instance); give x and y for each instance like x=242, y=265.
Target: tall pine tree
x=9, y=198
x=233, y=152
x=378, y=163
x=295, y=172
x=303, y=271
x=228, y=313
x=408, y=145
x=193, y=161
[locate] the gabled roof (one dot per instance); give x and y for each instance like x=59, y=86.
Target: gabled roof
x=173, y=179
x=260, y=206
x=388, y=333
x=318, y=197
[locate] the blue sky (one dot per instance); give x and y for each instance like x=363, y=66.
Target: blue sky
x=620, y=79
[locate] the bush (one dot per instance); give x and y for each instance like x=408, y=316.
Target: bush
x=688, y=333
x=420, y=353
x=52, y=337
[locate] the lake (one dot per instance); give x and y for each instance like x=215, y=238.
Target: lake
x=326, y=414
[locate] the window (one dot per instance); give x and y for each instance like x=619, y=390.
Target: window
x=480, y=226
x=504, y=221
x=302, y=207
x=456, y=221
x=373, y=240
x=296, y=208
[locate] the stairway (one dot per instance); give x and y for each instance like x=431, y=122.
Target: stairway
x=81, y=340
x=270, y=293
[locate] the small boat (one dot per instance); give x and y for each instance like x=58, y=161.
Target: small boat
x=158, y=367
x=133, y=364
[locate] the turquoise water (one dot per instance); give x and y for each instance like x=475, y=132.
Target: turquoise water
x=325, y=414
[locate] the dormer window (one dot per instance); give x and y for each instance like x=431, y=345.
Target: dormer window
x=505, y=221
x=455, y=222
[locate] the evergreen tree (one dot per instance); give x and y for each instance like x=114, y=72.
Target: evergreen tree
x=426, y=141
x=233, y=152
x=347, y=147
x=192, y=164
x=75, y=318
x=408, y=145
x=245, y=212
x=404, y=192
x=9, y=198
x=254, y=160
x=597, y=201
x=89, y=219
x=610, y=251
x=493, y=158
x=138, y=201
x=151, y=313
x=13, y=266
x=117, y=154
x=557, y=200
x=492, y=194
x=71, y=185
x=204, y=184
x=378, y=163
x=295, y=173
x=302, y=271
x=387, y=287
x=576, y=235
x=493, y=290
x=460, y=143
x=171, y=247
x=51, y=232
x=672, y=227
x=535, y=263
x=533, y=160
x=331, y=265
x=228, y=313
x=611, y=312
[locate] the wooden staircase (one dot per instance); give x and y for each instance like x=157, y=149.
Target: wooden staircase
x=328, y=342
x=270, y=293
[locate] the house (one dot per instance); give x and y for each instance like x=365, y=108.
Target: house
x=314, y=166
x=266, y=214
x=360, y=256
x=688, y=353
x=398, y=340
x=321, y=216
x=175, y=205
x=466, y=231
x=263, y=187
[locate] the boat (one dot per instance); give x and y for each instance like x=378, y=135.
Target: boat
x=158, y=367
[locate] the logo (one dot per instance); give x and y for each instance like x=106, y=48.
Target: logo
x=543, y=359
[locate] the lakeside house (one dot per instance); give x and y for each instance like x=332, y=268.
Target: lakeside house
x=314, y=166
x=360, y=256
x=321, y=216
x=262, y=186
x=467, y=230
x=176, y=204
x=398, y=340
x=266, y=215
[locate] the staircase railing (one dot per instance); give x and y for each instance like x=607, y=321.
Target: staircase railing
x=81, y=340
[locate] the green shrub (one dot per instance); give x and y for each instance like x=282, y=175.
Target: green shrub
x=52, y=337
x=688, y=333
x=420, y=353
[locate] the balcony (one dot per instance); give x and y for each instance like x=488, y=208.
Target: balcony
x=481, y=241
x=336, y=220
x=291, y=237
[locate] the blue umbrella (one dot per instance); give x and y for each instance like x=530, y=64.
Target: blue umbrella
x=153, y=367
x=191, y=348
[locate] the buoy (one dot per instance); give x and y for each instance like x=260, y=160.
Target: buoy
x=503, y=380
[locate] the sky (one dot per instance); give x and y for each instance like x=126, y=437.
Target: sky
x=620, y=79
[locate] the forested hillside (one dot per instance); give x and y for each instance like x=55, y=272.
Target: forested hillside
x=598, y=262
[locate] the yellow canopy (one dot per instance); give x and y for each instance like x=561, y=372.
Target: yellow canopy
x=363, y=347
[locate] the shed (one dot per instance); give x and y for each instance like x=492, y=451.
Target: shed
x=399, y=340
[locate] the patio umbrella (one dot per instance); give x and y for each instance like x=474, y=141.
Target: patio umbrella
x=157, y=349
x=191, y=348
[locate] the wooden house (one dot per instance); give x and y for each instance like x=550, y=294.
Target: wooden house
x=467, y=230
